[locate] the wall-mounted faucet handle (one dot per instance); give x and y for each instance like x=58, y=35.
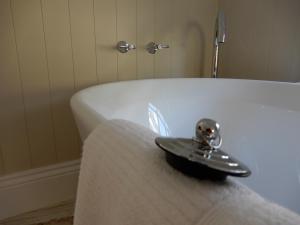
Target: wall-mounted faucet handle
x=153, y=47
x=124, y=47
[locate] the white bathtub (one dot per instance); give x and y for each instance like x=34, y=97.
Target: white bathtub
x=260, y=122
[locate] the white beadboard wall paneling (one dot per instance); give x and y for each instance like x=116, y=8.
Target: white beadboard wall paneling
x=200, y=21
x=193, y=41
x=126, y=31
x=61, y=73
x=105, y=12
x=49, y=49
x=14, y=145
x=28, y=24
x=179, y=35
x=1, y=161
x=263, y=40
x=145, y=34
x=284, y=51
x=192, y=37
x=296, y=59
x=163, y=34
x=83, y=43
x=249, y=59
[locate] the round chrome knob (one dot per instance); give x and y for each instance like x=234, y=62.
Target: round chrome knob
x=208, y=133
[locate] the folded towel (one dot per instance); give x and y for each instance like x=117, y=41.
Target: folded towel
x=125, y=180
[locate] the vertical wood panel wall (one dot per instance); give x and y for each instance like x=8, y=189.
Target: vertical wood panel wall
x=49, y=49
x=263, y=40
x=14, y=139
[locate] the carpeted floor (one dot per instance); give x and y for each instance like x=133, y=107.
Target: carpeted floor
x=63, y=221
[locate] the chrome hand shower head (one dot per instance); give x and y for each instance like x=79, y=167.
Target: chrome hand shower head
x=221, y=27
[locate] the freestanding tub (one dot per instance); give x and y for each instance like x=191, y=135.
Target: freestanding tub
x=260, y=122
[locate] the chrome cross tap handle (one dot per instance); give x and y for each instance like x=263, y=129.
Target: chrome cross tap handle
x=124, y=47
x=153, y=47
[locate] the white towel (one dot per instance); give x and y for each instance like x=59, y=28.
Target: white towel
x=125, y=180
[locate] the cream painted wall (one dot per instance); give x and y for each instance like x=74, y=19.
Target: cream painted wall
x=263, y=40
x=50, y=49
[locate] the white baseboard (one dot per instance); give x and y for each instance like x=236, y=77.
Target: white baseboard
x=38, y=188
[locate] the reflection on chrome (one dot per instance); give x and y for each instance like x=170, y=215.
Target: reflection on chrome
x=157, y=122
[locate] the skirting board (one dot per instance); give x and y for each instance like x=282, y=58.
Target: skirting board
x=38, y=188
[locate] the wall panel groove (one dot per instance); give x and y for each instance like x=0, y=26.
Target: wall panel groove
x=117, y=35
x=49, y=83
x=105, y=12
x=71, y=44
x=95, y=39
x=13, y=133
x=61, y=76
x=162, y=34
x=136, y=38
x=145, y=34
x=74, y=78
x=82, y=30
x=33, y=67
x=21, y=83
x=2, y=169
